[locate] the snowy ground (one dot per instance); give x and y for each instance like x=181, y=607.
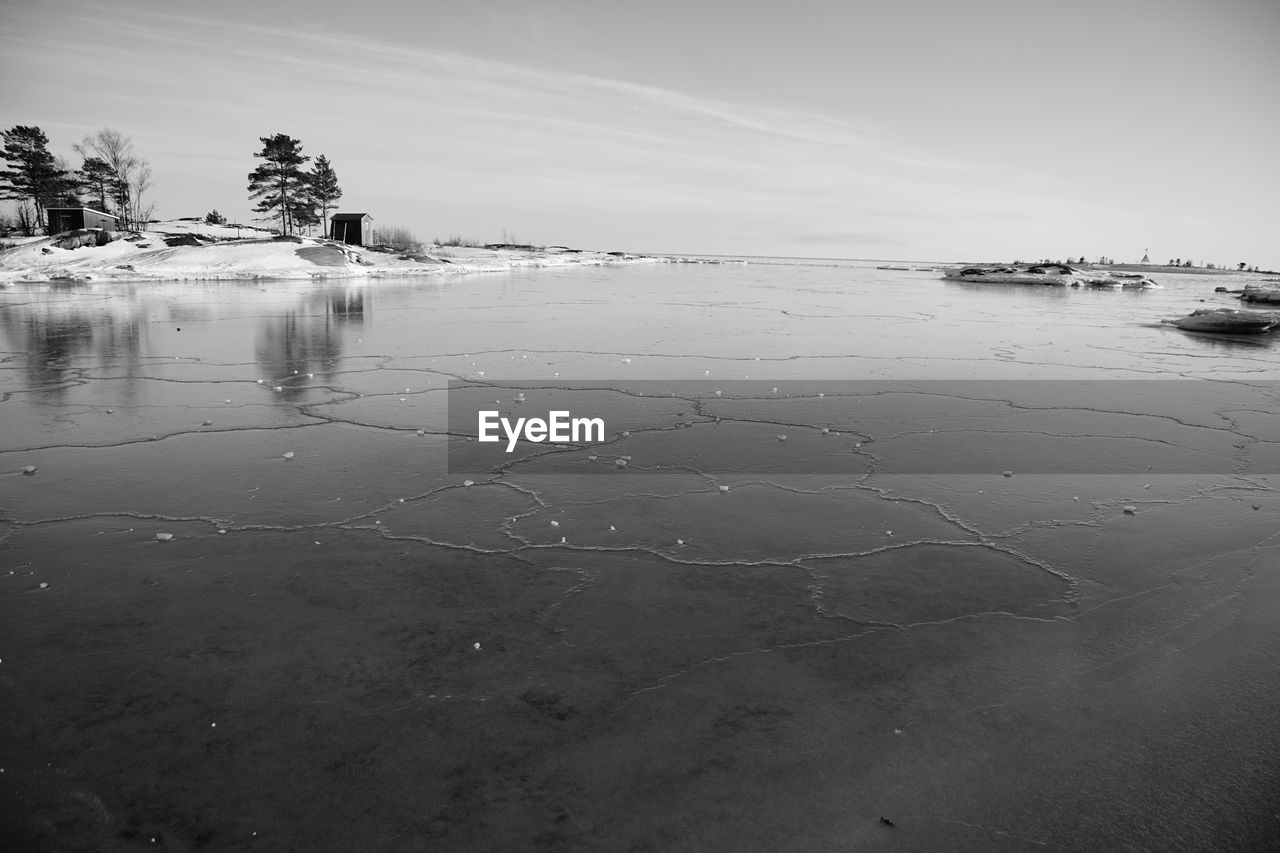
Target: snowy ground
x=221, y=252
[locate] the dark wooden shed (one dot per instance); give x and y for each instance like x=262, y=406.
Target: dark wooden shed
x=353, y=228
x=63, y=219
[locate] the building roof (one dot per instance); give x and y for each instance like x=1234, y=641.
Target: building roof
x=349, y=217
x=89, y=209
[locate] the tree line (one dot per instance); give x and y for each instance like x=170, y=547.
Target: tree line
x=284, y=189
x=111, y=178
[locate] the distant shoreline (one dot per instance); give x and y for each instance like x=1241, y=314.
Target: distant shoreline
x=189, y=250
x=1162, y=268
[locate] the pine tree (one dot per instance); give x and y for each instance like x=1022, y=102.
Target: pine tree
x=34, y=174
x=279, y=182
x=324, y=189
x=302, y=211
x=97, y=179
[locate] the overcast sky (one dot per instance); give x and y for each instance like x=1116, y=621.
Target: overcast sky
x=921, y=129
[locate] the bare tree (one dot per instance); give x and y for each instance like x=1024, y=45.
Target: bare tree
x=26, y=216
x=141, y=182
x=131, y=175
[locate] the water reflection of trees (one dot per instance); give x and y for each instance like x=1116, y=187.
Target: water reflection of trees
x=57, y=337
x=60, y=341
x=308, y=340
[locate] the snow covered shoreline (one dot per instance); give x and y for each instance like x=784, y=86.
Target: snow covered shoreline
x=184, y=250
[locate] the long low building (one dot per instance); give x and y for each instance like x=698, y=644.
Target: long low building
x=63, y=219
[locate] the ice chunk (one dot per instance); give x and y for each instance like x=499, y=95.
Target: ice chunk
x=164, y=537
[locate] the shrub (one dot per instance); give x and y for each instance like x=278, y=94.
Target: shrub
x=458, y=240
x=213, y=217
x=398, y=238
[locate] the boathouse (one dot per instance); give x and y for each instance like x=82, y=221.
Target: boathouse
x=63, y=219
x=353, y=228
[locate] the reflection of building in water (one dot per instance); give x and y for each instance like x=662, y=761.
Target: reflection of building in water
x=308, y=340
x=347, y=305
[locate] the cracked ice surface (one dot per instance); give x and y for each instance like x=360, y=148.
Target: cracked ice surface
x=678, y=654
